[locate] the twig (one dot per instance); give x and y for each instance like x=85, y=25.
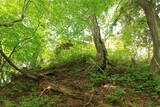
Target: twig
x=90, y=99
x=24, y=9
x=15, y=67
x=14, y=50
x=8, y=60
x=48, y=88
x=90, y=68
x=97, y=65
x=118, y=5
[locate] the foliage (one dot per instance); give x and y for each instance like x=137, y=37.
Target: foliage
x=36, y=102
x=137, y=79
x=115, y=96
x=96, y=76
x=32, y=101
x=112, y=99
x=31, y=45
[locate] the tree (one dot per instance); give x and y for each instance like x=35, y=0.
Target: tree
x=80, y=16
x=154, y=25
x=101, y=57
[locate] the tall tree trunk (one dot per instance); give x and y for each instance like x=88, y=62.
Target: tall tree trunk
x=101, y=58
x=152, y=20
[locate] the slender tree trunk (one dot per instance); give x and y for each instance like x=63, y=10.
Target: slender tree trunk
x=101, y=58
x=153, y=23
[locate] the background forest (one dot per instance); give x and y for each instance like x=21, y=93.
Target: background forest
x=79, y=53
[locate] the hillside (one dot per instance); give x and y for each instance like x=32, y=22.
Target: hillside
x=73, y=85
x=79, y=53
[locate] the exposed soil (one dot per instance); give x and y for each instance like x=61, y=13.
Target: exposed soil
x=71, y=82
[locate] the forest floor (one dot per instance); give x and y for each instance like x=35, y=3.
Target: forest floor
x=75, y=85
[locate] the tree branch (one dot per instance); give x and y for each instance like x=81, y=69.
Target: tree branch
x=14, y=50
x=9, y=61
x=24, y=9
x=16, y=68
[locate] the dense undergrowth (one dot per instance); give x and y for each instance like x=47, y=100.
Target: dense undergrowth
x=132, y=85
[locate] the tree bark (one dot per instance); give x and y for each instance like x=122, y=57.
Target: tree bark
x=101, y=57
x=153, y=23
x=149, y=53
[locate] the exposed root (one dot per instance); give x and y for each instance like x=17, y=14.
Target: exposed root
x=90, y=99
x=44, y=90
